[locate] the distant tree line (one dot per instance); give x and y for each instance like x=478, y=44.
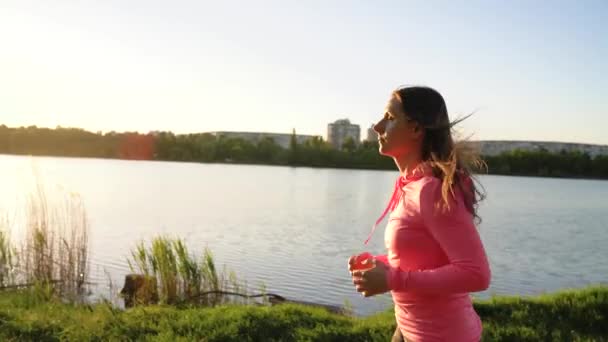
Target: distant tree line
x=75, y=142
x=546, y=164
x=208, y=148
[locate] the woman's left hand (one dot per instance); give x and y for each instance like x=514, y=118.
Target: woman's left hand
x=371, y=282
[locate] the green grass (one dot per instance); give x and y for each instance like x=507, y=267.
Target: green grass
x=574, y=315
x=579, y=315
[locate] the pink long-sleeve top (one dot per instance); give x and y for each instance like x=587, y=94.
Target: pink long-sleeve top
x=435, y=259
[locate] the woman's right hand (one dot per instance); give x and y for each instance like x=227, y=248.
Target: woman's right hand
x=368, y=276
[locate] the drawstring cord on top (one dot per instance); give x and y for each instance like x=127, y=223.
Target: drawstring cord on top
x=418, y=173
x=395, y=198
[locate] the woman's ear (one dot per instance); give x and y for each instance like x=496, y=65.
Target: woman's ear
x=417, y=130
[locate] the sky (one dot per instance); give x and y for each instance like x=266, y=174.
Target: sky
x=530, y=70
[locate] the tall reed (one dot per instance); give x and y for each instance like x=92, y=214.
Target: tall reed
x=55, y=247
x=7, y=255
x=180, y=278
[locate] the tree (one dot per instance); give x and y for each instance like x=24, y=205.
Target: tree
x=293, y=149
x=349, y=144
x=267, y=151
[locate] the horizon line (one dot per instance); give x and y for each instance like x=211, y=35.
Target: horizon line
x=311, y=135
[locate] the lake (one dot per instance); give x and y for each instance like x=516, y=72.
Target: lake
x=293, y=229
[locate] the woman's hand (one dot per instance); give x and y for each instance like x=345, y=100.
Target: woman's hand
x=369, y=282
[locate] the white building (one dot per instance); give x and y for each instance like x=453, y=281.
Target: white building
x=496, y=147
x=371, y=134
x=339, y=131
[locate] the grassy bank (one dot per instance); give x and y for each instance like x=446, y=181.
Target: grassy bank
x=30, y=315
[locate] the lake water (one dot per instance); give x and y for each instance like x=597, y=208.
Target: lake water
x=293, y=229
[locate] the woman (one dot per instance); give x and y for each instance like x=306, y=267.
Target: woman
x=435, y=256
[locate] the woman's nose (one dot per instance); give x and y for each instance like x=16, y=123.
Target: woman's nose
x=379, y=127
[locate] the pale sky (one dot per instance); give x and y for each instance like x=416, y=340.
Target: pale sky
x=533, y=70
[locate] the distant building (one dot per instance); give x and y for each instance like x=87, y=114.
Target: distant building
x=371, y=134
x=339, y=131
x=496, y=147
x=281, y=139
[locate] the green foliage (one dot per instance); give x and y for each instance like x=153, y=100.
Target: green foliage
x=294, y=155
x=575, y=315
x=181, y=279
x=67, y=142
x=545, y=164
x=349, y=145
x=7, y=255
x=54, y=252
x=568, y=316
x=313, y=152
x=164, y=264
x=208, y=148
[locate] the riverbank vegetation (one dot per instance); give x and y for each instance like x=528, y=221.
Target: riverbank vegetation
x=208, y=148
x=577, y=315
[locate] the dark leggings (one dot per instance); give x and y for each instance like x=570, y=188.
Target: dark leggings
x=398, y=337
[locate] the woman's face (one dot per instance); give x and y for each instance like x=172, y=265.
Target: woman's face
x=398, y=135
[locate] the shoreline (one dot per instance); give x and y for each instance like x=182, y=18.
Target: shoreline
x=288, y=166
